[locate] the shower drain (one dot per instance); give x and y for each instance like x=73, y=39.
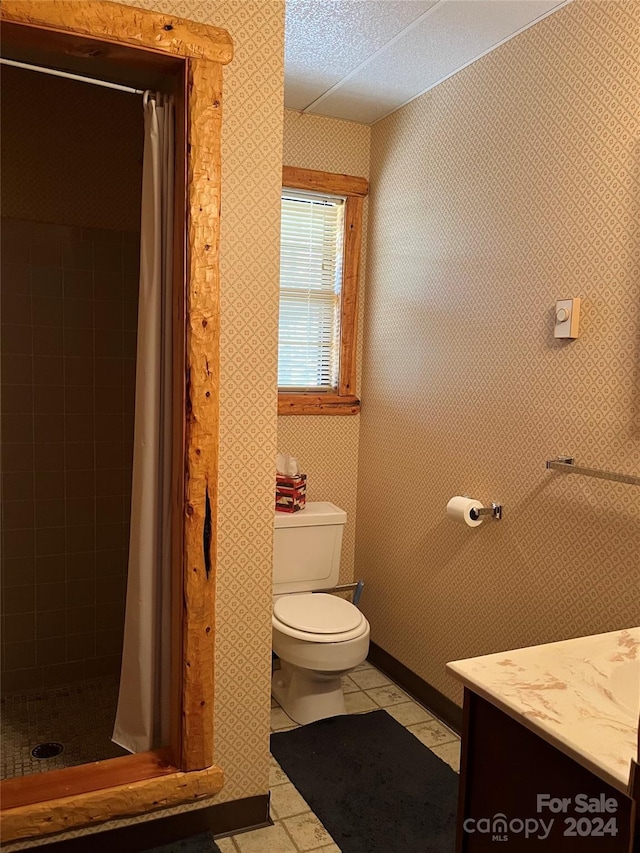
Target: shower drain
x=47, y=750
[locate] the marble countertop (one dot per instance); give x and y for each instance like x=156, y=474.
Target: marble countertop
x=582, y=696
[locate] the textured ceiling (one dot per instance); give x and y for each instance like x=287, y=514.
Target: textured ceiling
x=362, y=59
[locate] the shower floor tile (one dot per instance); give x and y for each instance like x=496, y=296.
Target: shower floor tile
x=79, y=716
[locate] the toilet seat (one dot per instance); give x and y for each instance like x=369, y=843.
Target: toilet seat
x=318, y=618
x=317, y=613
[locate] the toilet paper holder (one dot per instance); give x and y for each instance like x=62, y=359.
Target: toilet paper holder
x=495, y=511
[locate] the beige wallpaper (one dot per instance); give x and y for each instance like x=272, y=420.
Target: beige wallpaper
x=509, y=186
x=251, y=181
x=327, y=447
x=81, y=189
x=251, y=178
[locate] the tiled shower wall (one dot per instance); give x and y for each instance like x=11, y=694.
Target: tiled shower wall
x=69, y=314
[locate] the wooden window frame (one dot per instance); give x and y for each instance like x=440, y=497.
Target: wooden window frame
x=139, y=46
x=345, y=401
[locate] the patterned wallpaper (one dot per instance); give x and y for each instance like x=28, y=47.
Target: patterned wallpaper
x=81, y=189
x=327, y=447
x=510, y=185
x=251, y=181
x=251, y=178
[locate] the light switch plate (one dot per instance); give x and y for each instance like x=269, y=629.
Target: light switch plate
x=567, y=318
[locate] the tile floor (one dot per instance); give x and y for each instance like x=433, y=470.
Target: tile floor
x=296, y=829
x=80, y=716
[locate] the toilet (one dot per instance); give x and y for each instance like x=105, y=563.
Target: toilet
x=318, y=637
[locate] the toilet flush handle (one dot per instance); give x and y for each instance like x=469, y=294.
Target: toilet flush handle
x=346, y=587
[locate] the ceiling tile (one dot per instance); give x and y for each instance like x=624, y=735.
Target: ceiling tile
x=451, y=35
x=325, y=40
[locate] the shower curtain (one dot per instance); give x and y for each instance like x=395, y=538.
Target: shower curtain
x=143, y=701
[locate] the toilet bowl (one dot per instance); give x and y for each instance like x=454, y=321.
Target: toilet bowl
x=318, y=638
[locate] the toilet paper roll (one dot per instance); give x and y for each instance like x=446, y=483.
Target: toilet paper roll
x=459, y=509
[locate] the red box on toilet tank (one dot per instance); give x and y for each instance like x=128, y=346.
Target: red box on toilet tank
x=290, y=492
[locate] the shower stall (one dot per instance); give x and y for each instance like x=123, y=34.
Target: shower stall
x=70, y=268
x=109, y=375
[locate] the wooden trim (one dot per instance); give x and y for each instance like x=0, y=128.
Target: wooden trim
x=350, y=280
x=179, y=407
x=96, y=806
x=71, y=781
x=124, y=24
x=441, y=705
x=226, y=818
x=345, y=401
x=324, y=182
x=79, y=54
x=195, y=493
x=317, y=404
x=203, y=339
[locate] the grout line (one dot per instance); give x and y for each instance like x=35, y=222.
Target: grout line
x=432, y=718
x=292, y=839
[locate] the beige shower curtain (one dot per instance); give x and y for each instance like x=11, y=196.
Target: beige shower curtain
x=143, y=702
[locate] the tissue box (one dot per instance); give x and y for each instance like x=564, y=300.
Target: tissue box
x=290, y=492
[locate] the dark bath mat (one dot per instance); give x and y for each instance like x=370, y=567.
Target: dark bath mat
x=202, y=843
x=373, y=785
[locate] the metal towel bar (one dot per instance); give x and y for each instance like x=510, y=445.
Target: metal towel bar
x=567, y=464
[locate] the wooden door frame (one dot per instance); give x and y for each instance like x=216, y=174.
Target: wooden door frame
x=183, y=771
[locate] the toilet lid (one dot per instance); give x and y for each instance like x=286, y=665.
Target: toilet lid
x=317, y=613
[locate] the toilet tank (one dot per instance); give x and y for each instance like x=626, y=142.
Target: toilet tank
x=306, y=548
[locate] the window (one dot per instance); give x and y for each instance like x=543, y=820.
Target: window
x=311, y=256
x=320, y=262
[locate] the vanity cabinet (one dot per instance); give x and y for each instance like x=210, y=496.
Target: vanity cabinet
x=550, y=745
x=514, y=784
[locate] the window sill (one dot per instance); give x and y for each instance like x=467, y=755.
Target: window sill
x=317, y=404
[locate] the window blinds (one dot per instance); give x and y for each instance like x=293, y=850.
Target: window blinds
x=310, y=284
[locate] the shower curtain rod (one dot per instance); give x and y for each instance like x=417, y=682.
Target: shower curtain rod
x=69, y=76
